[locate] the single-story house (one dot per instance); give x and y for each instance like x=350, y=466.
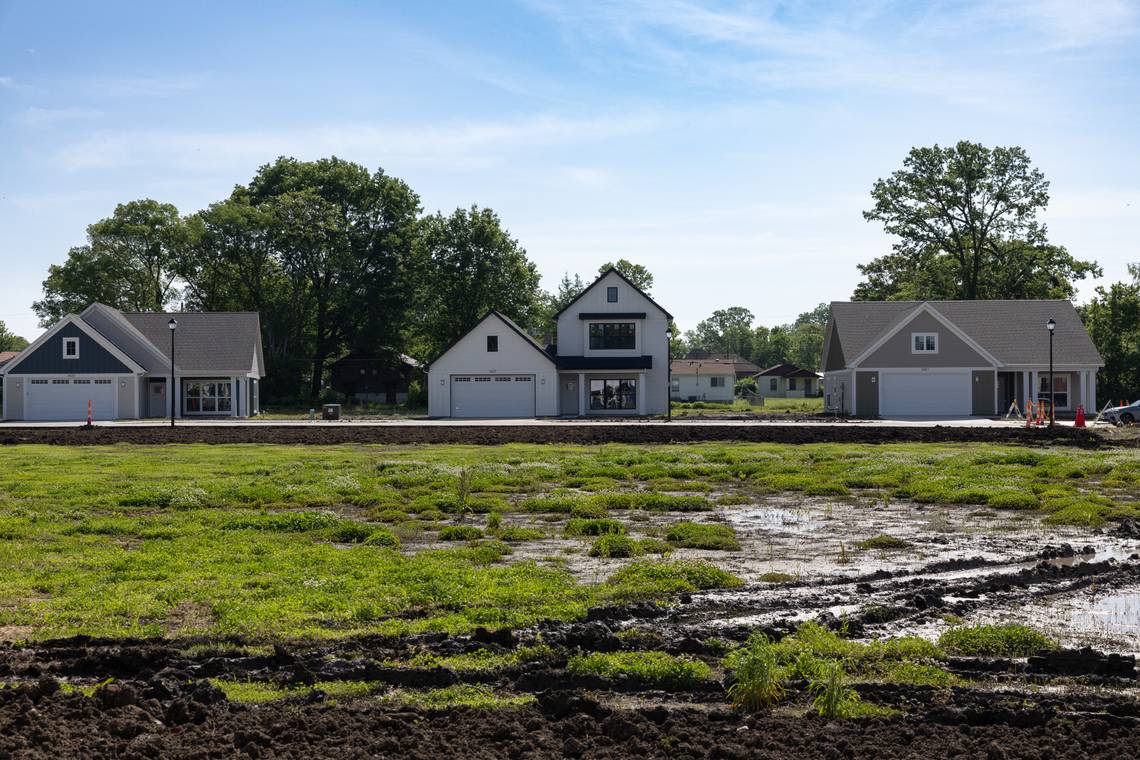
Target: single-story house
x=120, y=364
x=703, y=380
x=741, y=367
x=611, y=359
x=381, y=378
x=786, y=381
x=951, y=358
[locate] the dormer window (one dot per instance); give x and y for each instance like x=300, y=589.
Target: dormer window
x=611, y=294
x=924, y=343
x=492, y=343
x=71, y=348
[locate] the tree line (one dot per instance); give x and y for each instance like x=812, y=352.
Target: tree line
x=337, y=258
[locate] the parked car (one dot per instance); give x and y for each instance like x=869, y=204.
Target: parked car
x=1123, y=415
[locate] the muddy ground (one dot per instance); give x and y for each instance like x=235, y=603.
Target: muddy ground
x=631, y=432
x=1069, y=703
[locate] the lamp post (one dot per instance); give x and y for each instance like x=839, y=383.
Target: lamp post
x=1051, y=326
x=669, y=373
x=173, y=325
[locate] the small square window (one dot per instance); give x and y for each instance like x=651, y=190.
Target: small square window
x=611, y=295
x=71, y=348
x=492, y=343
x=924, y=343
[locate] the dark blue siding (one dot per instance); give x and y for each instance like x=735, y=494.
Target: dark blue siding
x=48, y=358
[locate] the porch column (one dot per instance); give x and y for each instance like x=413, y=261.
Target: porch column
x=641, y=393
x=235, y=396
x=1032, y=387
x=1092, y=407
x=581, y=394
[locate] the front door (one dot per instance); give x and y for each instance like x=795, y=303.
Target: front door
x=568, y=395
x=156, y=399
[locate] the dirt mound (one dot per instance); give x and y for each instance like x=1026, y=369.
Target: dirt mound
x=632, y=432
x=152, y=720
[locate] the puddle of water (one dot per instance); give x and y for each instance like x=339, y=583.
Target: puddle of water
x=1114, y=615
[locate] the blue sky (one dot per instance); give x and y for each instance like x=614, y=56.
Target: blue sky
x=730, y=147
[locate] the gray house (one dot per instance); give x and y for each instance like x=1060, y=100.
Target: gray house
x=119, y=364
x=786, y=381
x=950, y=358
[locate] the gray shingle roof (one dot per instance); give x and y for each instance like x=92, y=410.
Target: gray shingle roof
x=206, y=341
x=1013, y=331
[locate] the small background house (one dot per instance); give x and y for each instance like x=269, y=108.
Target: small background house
x=787, y=381
x=384, y=378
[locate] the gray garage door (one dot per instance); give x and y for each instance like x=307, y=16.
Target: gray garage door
x=925, y=394
x=492, y=395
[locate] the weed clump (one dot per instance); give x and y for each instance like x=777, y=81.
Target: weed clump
x=757, y=677
x=692, y=535
x=1011, y=640
x=615, y=545
x=578, y=526
x=645, y=579
x=460, y=533
x=658, y=668
x=884, y=542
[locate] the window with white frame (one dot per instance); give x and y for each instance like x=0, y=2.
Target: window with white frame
x=207, y=396
x=924, y=343
x=71, y=348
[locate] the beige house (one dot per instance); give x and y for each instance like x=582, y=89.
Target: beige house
x=787, y=381
x=956, y=358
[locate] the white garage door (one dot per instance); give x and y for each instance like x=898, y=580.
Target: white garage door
x=905, y=394
x=66, y=398
x=492, y=395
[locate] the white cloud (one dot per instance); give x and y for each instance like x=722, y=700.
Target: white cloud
x=7, y=83
x=475, y=144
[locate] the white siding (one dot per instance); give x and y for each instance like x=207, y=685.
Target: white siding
x=700, y=387
x=651, y=338
x=470, y=357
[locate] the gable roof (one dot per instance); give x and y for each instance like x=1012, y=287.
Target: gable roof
x=205, y=341
x=115, y=328
x=85, y=328
x=505, y=320
x=601, y=277
x=1011, y=331
x=786, y=370
x=7, y=356
x=698, y=366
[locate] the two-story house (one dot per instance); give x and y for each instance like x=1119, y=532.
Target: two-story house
x=611, y=359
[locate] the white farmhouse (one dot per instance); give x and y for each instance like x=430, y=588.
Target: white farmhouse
x=611, y=359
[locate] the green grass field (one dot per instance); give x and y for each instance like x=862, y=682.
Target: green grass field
x=272, y=542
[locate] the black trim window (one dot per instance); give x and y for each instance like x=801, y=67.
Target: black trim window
x=492, y=343
x=207, y=397
x=716, y=382
x=619, y=394
x=71, y=348
x=611, y=294
x=605, y=336
x=773, y=384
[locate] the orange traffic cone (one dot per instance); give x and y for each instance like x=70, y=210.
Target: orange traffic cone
x=1028, y=414
x=1080, y=417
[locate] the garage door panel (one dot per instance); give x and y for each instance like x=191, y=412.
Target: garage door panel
x=925, y=394
x=63, y=399
x=492, y=396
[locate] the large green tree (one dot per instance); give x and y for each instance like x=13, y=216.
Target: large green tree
x=1112, y=318
x=966, y=219
x=9, y=341
x=130, y=261
x=474, y=266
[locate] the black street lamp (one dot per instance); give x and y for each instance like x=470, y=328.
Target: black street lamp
x=1051, y=326
x=669, y=373
x=173, y=325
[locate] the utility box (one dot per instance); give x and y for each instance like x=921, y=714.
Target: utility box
x=330, y=411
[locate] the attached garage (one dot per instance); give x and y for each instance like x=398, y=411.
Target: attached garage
x=65, y=398
x=907, y=393
x=492, y=396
